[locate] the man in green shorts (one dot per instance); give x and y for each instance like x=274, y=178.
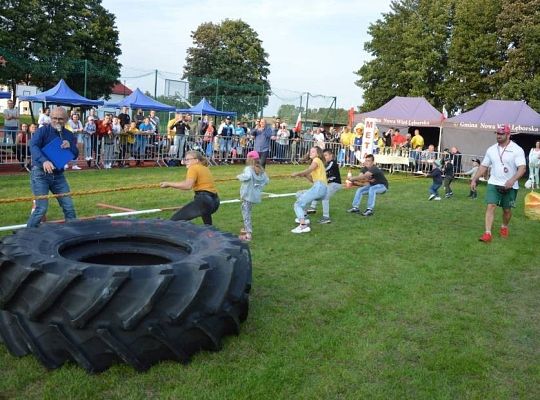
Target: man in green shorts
x=507, y=162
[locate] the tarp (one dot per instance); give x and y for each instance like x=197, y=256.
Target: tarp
x=472, y=131
x=205, y=108
x=5, y=95
x=62, y=94
x=404, y=111
x=138, y=99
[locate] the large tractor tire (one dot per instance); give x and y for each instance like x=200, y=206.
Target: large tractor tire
x=106, y=291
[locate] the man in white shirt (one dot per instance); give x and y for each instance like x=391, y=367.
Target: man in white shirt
x=507, y=162
x=44, y=118
x=11, y=122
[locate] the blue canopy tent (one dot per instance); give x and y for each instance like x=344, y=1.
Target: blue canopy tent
x=138, y=99
x=62, y=94
x=5, y=95
x=205, y=108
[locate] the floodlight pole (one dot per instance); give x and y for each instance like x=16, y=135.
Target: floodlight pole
x=155, y=84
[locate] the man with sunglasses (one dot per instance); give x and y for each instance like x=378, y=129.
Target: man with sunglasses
x=45, y=176
x=507, y=162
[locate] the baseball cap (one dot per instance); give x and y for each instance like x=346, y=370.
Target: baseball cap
x=228, y=117
x=503, y=130
x=253, y=154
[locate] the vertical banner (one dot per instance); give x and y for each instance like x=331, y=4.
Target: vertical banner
x=368, y=137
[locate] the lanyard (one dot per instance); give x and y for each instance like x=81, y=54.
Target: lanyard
x=501, y=156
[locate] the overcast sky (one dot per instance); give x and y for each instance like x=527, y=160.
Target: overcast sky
x=313, y=45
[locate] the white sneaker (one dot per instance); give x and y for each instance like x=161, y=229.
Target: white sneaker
x=306, y=221
x=75, y=167
x=431, y=197
x=301, y=229
x=437, y=198
x=66, y=166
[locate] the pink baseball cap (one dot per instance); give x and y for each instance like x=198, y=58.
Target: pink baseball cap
x=503, y=130
x=253, y=154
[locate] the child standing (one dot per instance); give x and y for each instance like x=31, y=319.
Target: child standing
x=436, y=174
x=253, y=180
x=472, y=172
x=448, y=178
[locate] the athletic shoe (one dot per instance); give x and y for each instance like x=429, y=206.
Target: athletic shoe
x=306, y=221
x=503, y=232
x=75, y=167
x=431, y=197
x=311, y=210
x=368, y=212
x=354, y=210
x=437, y=198
x=486, y=237
x=66, y=166
x=301, y=229
x=325, y=220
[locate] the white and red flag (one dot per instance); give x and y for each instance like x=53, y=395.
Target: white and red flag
x=298, y=126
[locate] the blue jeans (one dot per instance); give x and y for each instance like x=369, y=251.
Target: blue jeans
x=316, y=192
x=87, y=140
x=372, y=191
x=180, y=142
x=433, y=189
x=41, y=183
x=10, y=131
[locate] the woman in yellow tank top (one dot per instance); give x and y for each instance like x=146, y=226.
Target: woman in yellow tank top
x=317, y=175
x=199, y=178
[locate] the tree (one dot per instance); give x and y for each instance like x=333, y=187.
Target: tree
x=228, y=62
x=474, y=55
x=519, y=29
x=43, y=41
x=409, y=49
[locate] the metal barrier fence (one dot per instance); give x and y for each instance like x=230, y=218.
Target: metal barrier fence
x=126, y=150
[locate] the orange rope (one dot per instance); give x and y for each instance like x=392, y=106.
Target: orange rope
x=99, y=191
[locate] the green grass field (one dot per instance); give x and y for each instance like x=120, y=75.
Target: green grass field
x=404, y=304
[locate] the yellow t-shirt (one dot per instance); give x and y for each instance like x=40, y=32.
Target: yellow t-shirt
x=203, y=178
x=347, y=138
x=320, y=173
x=417, y=141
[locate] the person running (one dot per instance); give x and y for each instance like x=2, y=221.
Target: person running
x=199, y=178
x=334, y=184
x=507, y=162
x=316, y=174
x=377, y=185
x=436, y=175
x=253, y=180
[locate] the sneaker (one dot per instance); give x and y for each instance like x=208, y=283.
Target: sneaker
x=368, y=212
x=325, y=220
x=355, y=210
x=75, y=167
x=431, y=197
x=306, y=221
x=311, y=210
x=486, y=237
x=437, y=198
x=301, y=229
x=503, y=232
x=66, y=166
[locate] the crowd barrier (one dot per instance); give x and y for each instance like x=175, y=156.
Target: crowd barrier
x=163, y=151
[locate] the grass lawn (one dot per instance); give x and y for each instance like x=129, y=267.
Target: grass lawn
x=404, y=304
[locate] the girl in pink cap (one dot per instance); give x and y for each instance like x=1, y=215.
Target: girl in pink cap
x=253, y=180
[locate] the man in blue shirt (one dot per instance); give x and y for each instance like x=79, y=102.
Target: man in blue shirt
x=45, y=176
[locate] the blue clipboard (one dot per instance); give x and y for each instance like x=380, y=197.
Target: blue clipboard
x=57, y=155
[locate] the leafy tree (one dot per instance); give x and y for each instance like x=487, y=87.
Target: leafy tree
x=409, y=49
x=228, y=63
x=474, y=55
x=44, y=41
x=519, y=29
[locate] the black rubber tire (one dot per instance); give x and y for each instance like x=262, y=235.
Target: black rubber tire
x=104, y=291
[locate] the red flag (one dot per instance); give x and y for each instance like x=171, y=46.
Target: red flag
x=351, y=117
x=298, y=126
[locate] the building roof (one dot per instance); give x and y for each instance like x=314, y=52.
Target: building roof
x=121, y=89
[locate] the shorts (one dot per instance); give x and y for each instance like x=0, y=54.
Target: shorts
x=497, y=195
